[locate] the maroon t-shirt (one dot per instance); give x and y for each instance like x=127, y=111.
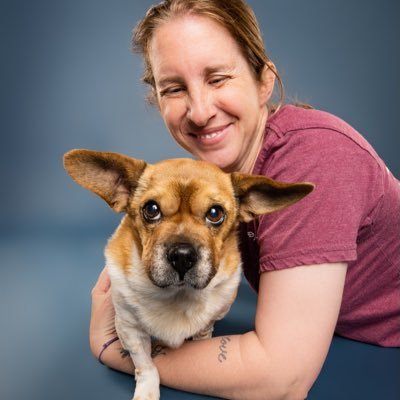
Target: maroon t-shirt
x=352, y=216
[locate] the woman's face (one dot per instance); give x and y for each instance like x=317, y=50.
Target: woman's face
x=207, y=94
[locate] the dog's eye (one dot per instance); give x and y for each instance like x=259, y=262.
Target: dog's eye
x=215, y=215
x=151, y=211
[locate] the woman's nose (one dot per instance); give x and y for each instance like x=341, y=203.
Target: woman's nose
x=200, y=107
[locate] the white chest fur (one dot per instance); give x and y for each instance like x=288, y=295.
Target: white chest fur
x=169, y=314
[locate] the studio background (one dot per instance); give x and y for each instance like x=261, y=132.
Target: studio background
x=69, y=80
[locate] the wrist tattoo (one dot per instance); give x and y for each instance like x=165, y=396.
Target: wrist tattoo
x=223, y=349
x=158, y=349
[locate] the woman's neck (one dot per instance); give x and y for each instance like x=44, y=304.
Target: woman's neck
x=247, y=164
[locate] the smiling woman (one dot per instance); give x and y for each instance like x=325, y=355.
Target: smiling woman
x=208, y=96
x=328, y=264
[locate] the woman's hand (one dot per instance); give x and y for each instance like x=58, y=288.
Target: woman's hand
x=102, y=325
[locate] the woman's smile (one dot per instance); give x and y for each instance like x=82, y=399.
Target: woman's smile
x=211, y=136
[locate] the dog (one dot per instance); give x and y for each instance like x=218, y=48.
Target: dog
x=173, y=261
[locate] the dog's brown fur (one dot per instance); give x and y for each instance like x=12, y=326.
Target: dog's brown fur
x=151, y=295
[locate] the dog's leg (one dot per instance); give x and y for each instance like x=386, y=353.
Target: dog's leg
x=146, y=374
x=138, y=344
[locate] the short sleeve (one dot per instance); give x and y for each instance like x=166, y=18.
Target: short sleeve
x=323, y=227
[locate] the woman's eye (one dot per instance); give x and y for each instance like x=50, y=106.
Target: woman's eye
x=175, y=90
x=151, y=211
x=217, y=80
x=171, y=91
x=215, y=215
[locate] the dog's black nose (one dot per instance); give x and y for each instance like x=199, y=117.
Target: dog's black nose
x=182, y=257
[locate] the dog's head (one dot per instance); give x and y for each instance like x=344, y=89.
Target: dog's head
x=183, y=213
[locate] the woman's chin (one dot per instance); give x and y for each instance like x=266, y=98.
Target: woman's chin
x=220, y=160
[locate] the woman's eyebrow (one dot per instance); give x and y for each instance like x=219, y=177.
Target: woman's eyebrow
x=217, y=68
x=168, y=80
x=207, y=71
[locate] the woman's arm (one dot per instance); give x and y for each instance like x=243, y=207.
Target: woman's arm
x=296, y=315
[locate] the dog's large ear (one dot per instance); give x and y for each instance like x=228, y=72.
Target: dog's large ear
x=112, y=176
x=260, y=195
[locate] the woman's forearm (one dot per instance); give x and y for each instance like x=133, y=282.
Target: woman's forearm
x=231, y=367
x=114, y=356
x=215, y=367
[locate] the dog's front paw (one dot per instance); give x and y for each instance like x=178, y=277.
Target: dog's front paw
x=147, y=385
x=143, y=392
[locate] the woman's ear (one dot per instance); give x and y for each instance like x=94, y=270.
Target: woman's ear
x=267, y=82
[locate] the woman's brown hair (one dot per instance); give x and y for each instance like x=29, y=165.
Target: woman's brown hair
x=234, y=15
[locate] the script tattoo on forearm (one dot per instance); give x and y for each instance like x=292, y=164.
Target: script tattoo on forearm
x=223, y=349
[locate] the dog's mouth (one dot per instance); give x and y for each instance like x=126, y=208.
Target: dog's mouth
x=181, y=265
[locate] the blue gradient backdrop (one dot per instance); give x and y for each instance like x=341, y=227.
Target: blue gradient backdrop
x=68, y=80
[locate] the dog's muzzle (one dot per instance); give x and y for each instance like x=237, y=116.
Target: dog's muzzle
x=182, y=257
x=181, y=263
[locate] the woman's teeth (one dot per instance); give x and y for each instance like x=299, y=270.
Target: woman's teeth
x=209, y=135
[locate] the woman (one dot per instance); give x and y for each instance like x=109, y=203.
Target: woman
x=329, y=264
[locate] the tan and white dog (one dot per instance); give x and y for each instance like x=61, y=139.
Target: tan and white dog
x=173, y=261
